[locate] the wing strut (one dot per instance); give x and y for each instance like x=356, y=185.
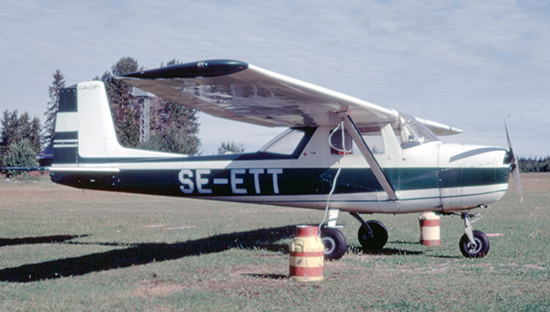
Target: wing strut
x=369, y=157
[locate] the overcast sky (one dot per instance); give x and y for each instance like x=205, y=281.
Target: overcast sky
x=469, y=64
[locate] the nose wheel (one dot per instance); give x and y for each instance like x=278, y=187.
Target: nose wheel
x=478, y=249
x=473, y=244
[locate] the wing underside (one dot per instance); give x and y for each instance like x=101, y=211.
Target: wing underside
x=243, y=92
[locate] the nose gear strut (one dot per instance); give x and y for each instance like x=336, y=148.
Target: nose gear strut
x=473, y=244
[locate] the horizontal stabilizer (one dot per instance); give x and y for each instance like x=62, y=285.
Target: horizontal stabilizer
x=84, y=169
x=2, y=169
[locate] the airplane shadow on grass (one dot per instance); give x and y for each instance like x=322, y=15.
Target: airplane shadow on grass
x=38, y=240
x=139, y=254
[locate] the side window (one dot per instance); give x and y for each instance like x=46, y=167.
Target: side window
x=375, y=141
x=341, y=144
x=285, y=143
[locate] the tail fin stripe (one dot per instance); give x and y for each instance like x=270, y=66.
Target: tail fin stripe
x=67, y=100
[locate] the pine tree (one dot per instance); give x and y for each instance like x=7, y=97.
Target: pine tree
x=36, y=137
x=10, y=130
x=24, y=130
x=53, y=105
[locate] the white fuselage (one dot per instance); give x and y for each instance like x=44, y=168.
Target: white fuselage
x=428, y=177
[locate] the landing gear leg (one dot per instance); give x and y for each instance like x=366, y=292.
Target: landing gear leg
x=372, y=234
x=473, y=244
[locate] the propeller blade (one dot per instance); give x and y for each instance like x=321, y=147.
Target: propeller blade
x=514, y=164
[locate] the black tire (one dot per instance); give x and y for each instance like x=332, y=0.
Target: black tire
x=379, y=239
x=477, y=250
x=334, y=243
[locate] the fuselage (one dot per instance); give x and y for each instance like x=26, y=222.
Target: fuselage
x=299, y=168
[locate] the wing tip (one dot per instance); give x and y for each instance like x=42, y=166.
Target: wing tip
x=209, y=68
x=439, y=128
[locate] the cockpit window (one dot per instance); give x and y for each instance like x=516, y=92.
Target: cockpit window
x=285, y=143
x=412, y=133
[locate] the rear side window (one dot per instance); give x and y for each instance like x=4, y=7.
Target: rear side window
x=285, y=143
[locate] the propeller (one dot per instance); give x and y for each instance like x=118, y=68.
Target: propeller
x=514, y=164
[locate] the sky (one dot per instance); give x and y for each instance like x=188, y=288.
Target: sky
x=468, y=64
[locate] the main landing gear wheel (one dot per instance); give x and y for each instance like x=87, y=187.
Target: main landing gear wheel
x=477, y=250
x=377, y=240
x=334, y=242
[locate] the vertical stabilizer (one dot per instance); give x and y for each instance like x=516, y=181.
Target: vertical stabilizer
x=84, y=129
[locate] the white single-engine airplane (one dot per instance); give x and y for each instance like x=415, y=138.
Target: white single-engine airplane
x=339, y=153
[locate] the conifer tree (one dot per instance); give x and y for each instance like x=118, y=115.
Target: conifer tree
x=10, y=130
x=53, y=105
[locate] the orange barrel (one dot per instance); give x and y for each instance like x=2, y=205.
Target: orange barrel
x=429, y=229
x=306, y=254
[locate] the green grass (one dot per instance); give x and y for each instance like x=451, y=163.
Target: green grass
x=63, y=249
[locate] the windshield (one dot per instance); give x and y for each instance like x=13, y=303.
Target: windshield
x=413, y=133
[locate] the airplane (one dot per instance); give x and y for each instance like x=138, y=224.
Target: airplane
x=338, y=153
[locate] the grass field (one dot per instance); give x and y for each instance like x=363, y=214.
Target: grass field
x=64, y=249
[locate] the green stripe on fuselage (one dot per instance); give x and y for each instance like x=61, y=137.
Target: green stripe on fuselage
x=290, y=181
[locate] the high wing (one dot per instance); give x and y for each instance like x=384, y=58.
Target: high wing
x=244, y=92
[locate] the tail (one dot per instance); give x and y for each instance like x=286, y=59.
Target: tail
x=84, y=129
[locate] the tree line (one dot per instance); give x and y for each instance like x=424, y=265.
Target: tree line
x=20, y=139
x=173, y=127
x=533, y=164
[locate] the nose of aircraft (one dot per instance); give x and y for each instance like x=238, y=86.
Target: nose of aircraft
x=474, y=156
x=472, y=175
